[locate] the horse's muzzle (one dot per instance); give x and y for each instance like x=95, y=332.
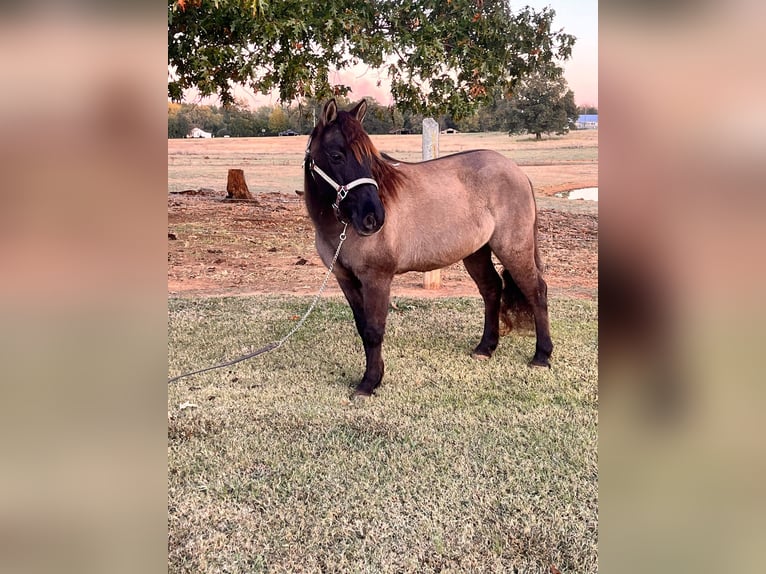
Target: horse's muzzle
x=366, y=211
x=370, y=225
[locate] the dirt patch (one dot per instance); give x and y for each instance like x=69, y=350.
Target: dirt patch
x=232, y=248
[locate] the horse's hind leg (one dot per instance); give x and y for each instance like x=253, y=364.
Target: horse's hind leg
x=482, y=271
x=523, y=278
x=544, y=345
x=535, y=290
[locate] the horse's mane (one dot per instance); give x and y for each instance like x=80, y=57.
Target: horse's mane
x=390, y=180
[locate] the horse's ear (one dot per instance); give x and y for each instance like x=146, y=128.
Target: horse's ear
x=330, y=112
x=359, y=110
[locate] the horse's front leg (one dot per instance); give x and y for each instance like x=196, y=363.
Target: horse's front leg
x=376, y=292
x=352, y=289
x=369, y=301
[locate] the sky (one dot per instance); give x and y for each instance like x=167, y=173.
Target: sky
x=576, y=17
x=579, y=18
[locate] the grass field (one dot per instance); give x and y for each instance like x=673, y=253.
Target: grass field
x=455, y=466
x=273, y=163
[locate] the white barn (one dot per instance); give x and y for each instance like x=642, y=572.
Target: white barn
x=198, y=133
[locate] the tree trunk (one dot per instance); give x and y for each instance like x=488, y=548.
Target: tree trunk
x=236, y=187
x=538, y=137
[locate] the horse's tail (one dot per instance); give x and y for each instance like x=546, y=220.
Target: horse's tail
x=516, y=312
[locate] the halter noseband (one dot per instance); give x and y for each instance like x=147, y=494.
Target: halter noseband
x=340, y=190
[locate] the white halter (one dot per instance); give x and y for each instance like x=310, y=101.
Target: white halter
x=340, y=190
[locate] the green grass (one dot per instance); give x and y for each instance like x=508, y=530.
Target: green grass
x=454, y=466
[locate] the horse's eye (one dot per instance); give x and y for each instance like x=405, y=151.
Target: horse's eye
x=335, y=156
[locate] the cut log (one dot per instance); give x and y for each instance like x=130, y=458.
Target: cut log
x=236, y=187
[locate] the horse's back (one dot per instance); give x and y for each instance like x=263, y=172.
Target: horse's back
x=473, y=180
x=453, y=205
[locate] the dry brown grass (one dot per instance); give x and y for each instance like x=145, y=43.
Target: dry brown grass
x=272, y=164
x=456, y=465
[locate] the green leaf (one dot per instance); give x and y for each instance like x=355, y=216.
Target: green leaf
x=288, y=45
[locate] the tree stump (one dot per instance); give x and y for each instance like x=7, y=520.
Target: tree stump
x=236, y=187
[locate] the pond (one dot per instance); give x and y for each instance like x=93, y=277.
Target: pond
x=587, y=193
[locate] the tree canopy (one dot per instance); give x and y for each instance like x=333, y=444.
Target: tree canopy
x=237, y=120
x=542, y=104
x=441, y=56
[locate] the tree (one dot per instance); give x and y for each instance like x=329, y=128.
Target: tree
x=442, y=56
x=240, y=121
x=278, y=120
x=208, y=118
x=178, y=124
x=543, y=104
x=378, y=119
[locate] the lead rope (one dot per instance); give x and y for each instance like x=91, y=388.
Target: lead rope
x=276, y=344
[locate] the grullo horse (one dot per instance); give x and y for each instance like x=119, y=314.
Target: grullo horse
x=420, y=217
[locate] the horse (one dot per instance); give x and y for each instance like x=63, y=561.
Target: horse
x=422, y=216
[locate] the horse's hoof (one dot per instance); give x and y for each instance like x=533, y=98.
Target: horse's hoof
x=539, y=363
x=480, y=356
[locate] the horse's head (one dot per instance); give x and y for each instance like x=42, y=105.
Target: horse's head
x=341, y=157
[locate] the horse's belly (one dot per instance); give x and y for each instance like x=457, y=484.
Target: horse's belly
x=440, y=251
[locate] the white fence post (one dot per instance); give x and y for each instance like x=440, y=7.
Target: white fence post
x=431, y=279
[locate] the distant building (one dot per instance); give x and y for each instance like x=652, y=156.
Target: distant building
x=587, y=122
x=198, y=133
x=450, y=131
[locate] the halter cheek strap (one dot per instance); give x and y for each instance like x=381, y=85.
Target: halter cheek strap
x=340, y=190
